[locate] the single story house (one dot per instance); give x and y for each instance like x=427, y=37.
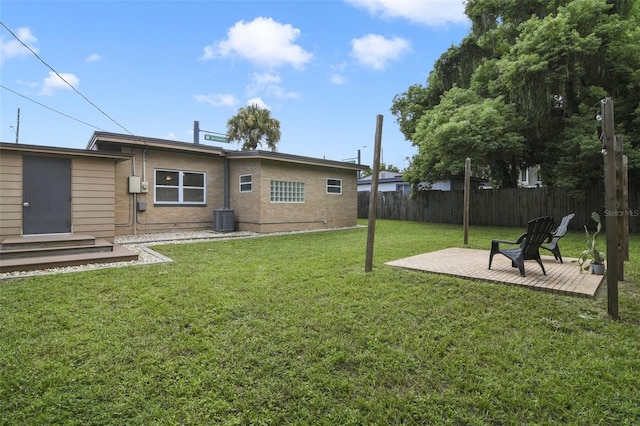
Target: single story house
x=530, y=177
x=392, y=181
x=123, y=184
x=387, y=181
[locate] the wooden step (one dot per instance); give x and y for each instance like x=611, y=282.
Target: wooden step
x=117, y=254
x=12, y=252
x=43, y=241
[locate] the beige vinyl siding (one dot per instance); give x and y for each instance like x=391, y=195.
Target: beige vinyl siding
x=11, y=194
x=93, y=195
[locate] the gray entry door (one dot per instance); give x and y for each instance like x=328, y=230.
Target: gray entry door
x=46, y=199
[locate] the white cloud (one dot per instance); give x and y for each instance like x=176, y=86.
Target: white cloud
x=53, y=83
x=209, y=53
x=338, y=78
x=217, y=99
x=13, y=48
x=430, y=12
x=263, y=42
x=268, y=84
x=376, y=51
x=29, y=84
x=259, y=102
x=337, y=75
x=93, y=57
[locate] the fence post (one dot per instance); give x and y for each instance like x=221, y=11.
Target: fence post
x=467, y=189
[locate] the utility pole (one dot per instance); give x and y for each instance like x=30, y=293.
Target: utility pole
x=18, y=127
x=16, y=130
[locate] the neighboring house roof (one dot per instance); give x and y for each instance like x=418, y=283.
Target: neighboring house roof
x=383, y=177
x=40, y=149
x=104, y=139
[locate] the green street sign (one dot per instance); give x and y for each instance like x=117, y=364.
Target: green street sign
x=215, y=138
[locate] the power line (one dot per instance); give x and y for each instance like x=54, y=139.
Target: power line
x=61, y=78
x=49, y=108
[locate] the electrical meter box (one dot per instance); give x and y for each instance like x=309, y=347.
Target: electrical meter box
x=134, y=184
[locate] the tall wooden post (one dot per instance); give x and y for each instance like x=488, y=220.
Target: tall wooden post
x=467, y=195
x=373, y=199
x=611, y=205
x=625, y=186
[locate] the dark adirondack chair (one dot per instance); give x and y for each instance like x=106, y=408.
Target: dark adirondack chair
x=538, y=231
x=552, y=245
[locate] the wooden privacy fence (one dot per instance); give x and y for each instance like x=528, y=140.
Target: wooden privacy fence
x=502, y=208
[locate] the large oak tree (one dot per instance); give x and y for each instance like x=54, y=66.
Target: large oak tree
x=523, y=88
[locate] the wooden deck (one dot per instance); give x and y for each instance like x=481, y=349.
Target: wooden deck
x=562, y=278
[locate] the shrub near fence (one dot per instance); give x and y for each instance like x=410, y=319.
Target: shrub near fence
x=501, y=208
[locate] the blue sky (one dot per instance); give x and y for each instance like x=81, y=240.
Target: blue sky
x=325, y=69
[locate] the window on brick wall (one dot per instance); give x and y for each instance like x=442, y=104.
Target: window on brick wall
x=246, y=183
x=334, y=186
x=287, y=192
x=180, y=187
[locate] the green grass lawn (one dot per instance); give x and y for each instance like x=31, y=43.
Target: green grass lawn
x=289, y=329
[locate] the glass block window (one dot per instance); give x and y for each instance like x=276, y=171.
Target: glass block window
x=334, y=186
x=246, y=183
x=180, y=187
x=287, y=192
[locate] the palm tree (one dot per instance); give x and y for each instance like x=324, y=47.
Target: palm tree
x=254, y=125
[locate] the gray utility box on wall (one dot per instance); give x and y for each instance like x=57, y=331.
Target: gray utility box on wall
x=223, y=220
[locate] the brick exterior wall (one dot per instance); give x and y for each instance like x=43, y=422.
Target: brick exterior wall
x=255, y=212
x=164, y=218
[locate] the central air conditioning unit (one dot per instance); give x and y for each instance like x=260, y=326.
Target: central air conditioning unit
x=223, y=220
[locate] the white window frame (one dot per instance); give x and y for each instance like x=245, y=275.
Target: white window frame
x=180, y=187
x=242, y=184
x=524, y=173
x=331, y=184
x=287, y=192
x=404, y=187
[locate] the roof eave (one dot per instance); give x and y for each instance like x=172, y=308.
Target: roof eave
x=41, y=149
x=166, y=144
x=292, y=158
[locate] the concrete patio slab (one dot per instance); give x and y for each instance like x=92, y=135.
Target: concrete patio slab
x=562, y=278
